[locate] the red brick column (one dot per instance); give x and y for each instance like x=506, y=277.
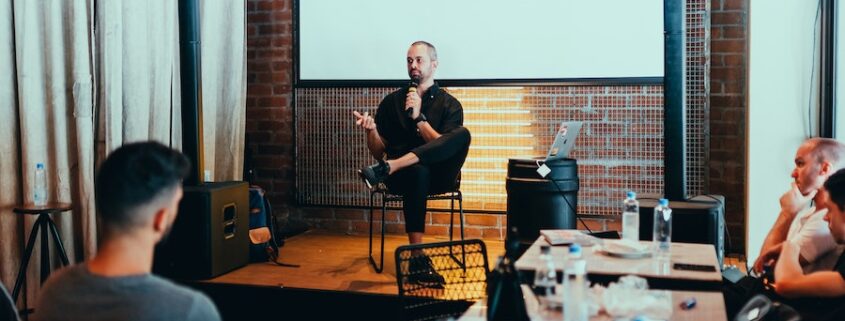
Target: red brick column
x=269, y=104
x=728, y=111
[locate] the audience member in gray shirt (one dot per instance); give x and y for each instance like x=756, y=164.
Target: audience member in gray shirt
x=77, y=294
x=138, y=189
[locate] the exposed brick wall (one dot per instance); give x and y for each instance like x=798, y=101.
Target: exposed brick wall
x=728, y=111
x=269, y=107
x=270, y=123
x=619, y=148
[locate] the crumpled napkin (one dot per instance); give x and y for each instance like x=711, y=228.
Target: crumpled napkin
x=631, y=298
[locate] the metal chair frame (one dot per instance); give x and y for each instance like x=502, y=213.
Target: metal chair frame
x=464, y=282
x=387, y=197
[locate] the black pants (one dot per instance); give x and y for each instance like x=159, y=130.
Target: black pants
x=439, y=166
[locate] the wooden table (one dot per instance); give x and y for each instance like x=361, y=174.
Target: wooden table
x=660, y=274
x=710, y=306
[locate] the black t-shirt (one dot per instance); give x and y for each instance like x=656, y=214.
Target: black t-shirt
x=443, y=111
x=822, y=308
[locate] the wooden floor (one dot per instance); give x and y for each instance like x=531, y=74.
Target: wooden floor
x=333, y=262
x=338, y=262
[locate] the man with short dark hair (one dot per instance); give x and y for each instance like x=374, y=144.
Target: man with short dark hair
x=138, y=189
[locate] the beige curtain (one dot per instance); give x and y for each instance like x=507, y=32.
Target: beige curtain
x=64, y=80
x=46, y=118
x=224, y=87
x=9, y=167
x=139, y=53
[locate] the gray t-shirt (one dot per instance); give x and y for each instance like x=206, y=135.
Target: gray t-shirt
x=76, y=294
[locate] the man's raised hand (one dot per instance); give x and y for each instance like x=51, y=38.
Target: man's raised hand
x=365, y=121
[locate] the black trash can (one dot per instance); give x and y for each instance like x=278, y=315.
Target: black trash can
x=536, y=202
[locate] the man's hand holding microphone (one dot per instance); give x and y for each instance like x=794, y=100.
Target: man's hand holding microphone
x=413, y=101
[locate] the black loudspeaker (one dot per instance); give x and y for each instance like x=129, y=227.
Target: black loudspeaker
x=700, y=219
x=210, y=235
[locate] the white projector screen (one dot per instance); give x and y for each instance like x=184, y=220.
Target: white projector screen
x=343, y=41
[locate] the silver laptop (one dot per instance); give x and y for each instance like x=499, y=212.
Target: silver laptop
x=564, y=140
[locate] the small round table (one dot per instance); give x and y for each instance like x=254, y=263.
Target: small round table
x=46, y=225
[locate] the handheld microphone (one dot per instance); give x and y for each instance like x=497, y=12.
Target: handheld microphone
x=412, y=88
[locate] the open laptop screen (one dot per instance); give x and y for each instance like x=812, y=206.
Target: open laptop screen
x=564, y=140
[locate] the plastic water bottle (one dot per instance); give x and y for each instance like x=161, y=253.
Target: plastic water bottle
x=631, y=218
x=545, y=279
x=39, y=192
x=575, y=305
x=662, y=229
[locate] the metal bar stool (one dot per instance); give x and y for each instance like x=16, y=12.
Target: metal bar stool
x=46, y=226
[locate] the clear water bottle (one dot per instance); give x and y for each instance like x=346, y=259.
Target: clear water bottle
x=662, y=228
x=575, y=305
x=39, y=192
x=631, y=218
x=545, y=279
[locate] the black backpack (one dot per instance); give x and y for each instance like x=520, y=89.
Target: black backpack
x=261, y=216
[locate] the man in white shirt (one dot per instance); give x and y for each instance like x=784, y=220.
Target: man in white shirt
x=817, y=295
x=801, y=219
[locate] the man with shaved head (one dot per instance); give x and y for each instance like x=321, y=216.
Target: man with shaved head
x=418, y=138
x=801, y=218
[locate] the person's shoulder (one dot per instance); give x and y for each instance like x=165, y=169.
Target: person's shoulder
x=202, y=308
x=166, y=286
x=391, y=98
x=815, y=217
x=65, y=276
x=200, y=304
x=61, y=283
x=448, y=97
x=396, y=93
x=444, y=92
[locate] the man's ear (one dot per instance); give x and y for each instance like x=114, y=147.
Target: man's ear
x=160, y=220
x=435, y=63
x=826, y=168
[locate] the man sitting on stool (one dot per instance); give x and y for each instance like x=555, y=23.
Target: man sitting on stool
x=138, y=189
x=419, y=130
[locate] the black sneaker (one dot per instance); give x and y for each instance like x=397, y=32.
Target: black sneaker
x=374, y=174
x=421, y=271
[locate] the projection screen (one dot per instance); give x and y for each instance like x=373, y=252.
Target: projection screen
x=342, y=42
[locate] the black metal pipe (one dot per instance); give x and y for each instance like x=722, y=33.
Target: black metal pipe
x=827, y=112
x=674, y=98
x=191, y=81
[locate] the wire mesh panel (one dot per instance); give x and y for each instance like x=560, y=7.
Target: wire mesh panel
x=698, y=93
x=620, y=147
x=462, y=267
